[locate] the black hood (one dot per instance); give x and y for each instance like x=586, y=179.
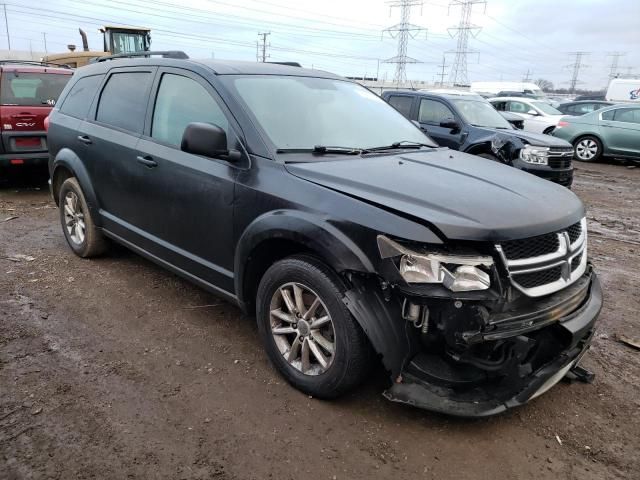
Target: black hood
x=535, y=139
x=464, y=196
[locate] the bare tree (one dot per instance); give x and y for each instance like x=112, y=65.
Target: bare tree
x=544, y=84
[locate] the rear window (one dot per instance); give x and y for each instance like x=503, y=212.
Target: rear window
x=123, y=101
x=31, y=89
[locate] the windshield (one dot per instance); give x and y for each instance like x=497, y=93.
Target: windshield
x=546, y=108
x=31, y=89
x=127, y=42
x=303, y=112
x=480, y=113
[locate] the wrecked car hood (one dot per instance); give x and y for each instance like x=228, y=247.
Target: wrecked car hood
x=463, y=196
x=535, y=139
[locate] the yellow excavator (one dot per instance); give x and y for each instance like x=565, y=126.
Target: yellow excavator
x=117, y=40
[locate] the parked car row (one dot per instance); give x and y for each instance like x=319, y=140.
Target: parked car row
x=311, y=203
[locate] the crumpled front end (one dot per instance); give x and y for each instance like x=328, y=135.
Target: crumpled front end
x=475, y=351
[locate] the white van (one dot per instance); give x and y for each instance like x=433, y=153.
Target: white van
x=495, y=88
x=623, y=90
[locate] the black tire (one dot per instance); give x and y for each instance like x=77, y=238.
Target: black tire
x=92, y=243
x=353, y=355
x=581, y=149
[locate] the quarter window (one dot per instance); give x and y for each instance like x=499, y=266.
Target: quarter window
x=123, y=102
x=78, y=100
x=434, y=112
x=402, y=104
x=181, y=101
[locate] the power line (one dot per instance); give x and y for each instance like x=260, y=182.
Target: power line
x=462, y=31
x=527, y=76
x=442, y=73
x=261, y=47
x=577, y=65
x=6, y=24
x=402, y=31
x=615, y=57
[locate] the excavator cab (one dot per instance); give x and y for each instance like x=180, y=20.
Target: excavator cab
x=119, y=40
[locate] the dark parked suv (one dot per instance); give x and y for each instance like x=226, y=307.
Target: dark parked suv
x=306, y=199
x=469, y=123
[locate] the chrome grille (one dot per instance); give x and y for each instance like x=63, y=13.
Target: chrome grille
x=559, y=157
x=546, y=263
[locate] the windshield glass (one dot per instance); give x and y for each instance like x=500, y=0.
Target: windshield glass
x=546, y=108
x=31, y=89
x=127, y=42
x=480, y=113
x=302, y=112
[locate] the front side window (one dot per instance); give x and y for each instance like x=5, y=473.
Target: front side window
x=123, y=101
x=32, y=89
x=303, y=112
x=181, y=101
x=78, y=100
x=402, y=104
x=627, y=115
x=519, y=107
x=434, y=112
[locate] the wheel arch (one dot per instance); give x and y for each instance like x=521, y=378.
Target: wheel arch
x=67, y=164
x=279, y=234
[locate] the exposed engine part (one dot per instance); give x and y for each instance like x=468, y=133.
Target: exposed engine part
x=416, y=314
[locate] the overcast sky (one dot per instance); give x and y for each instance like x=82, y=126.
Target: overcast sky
x=345, y=36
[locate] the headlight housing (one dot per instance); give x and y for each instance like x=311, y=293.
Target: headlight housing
x=535, y=155
x=458, y=273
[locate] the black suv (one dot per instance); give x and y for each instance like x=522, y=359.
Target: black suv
x=469, y=123
x=306, y=199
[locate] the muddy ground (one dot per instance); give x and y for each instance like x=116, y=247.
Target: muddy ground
x=114, y=368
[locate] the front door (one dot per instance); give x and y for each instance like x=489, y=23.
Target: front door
x=187, y=199
x=430, y=114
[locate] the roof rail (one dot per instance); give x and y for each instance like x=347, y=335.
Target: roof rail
x=179, y=54
x=290, y=64
x=34, y=62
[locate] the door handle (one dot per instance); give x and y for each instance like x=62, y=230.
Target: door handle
x=147, y=161
x=85, y=139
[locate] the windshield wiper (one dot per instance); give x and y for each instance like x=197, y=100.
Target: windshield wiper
x=398, y=145
x=322, y=149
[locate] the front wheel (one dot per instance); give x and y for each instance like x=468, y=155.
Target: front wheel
x=587, y=149
x=308, y=332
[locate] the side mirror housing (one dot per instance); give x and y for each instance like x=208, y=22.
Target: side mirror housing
x=207, y=140
x=532, y=112
x=450, y=123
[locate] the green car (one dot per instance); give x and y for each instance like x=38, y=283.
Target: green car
x=612, y=131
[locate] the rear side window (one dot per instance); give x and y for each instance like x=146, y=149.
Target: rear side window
x=78, y=100
x=31, y=89
x=434, y=112
x=123, y=102
x=181, y=101
x=402, y=104
x=627, y=115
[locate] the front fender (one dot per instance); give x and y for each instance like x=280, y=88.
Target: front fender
x=306, y=229
x=67, y=159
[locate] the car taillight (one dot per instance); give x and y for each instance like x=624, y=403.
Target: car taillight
x=562, y=124
x=46, y=123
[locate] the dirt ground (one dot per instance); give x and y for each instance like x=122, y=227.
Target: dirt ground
x=113, y=368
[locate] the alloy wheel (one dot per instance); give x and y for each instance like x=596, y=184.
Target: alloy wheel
x=586, y=149
x=74, y=218
x=302, y=328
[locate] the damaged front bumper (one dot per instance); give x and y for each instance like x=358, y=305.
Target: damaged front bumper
x=540, y=344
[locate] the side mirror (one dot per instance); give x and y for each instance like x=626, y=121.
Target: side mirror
x=450, y=123
x=207, y=140
x=532, y=112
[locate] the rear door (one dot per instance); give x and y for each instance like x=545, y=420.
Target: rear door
x=26, y=98
x=430, y=113
x=110, y=136
x=622, y=134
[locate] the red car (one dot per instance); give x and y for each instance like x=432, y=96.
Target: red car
x=28, y=92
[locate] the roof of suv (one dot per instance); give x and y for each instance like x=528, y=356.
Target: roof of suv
x=219, y=67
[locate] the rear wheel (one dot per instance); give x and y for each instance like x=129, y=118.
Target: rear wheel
x=587, y=149
x=308, y=332
x=79, y=228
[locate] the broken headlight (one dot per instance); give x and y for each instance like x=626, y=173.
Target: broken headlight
x=459, y=273
x=535, y=155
